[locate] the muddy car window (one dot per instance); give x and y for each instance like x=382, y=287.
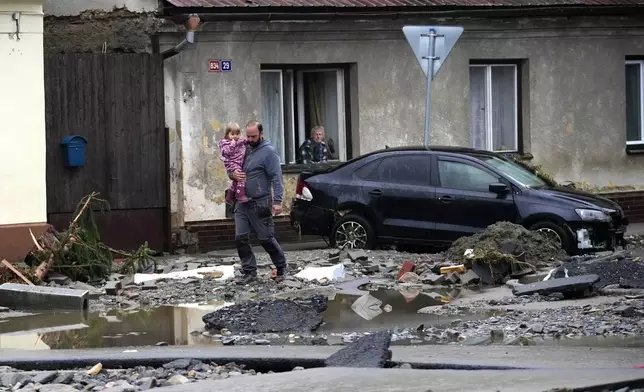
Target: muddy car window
x=412, y=170
x=458, y=175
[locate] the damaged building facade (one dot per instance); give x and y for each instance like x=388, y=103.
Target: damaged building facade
x=100, y=26
x=560, y=85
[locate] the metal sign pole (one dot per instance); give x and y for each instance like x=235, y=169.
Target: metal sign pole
x=430, y=77
x=427, y=42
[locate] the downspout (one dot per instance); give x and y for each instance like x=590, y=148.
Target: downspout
x=191, y=26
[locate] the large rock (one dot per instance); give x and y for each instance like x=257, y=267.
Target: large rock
x=368, y=351
x=278, y=315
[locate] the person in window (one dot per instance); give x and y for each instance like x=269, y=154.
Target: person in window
x=314, y=150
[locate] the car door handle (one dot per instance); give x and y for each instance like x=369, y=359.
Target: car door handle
x=376, y=192
x=446, y=199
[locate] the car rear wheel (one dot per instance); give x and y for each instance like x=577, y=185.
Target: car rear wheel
x=555, y=232
x=353, y=232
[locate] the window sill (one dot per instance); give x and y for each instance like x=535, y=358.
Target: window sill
x=635, y=149
x=297, y=168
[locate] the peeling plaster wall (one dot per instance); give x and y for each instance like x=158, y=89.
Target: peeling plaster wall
x=75, y=7
x=573, y=90
x=94, y=30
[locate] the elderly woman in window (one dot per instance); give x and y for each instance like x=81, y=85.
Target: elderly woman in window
x=314, y=150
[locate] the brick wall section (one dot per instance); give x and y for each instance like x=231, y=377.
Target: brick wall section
x=220, y=234
x=631, y=201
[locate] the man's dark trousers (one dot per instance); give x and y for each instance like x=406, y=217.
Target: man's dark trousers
x=256, y=215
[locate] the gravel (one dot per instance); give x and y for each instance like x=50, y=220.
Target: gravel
x=112, y=380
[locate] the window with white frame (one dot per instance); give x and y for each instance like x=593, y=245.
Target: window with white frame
x=634, y=101
x=494, y=108
x=294, y=100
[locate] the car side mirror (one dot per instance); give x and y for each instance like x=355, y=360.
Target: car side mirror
x=499, y=188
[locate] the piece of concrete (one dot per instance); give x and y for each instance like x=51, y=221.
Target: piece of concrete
x=116, y=276
x=409, y=277
x=569, y=287
x=407, y=266
x=372, y=269
x=20, y=296
x=112, y=287
x=44, y=377
x=469, y=277
x=58, y=278
x=368, y=351
x=149, y=285
x=432, y=278
x=192, y=266
x=358, y=255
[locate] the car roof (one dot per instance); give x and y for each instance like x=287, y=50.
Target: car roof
x=448, y=149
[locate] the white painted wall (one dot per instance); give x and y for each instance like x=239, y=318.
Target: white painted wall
x=75, y=7
x=23, y=193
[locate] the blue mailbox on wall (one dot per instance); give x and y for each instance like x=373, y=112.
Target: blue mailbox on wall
x=74, y=150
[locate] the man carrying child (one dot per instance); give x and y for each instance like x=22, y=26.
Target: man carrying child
x=261, y=170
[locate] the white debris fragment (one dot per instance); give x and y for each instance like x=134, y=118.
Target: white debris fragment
x=227, y=270
x=331, y=273
x=469, y=253
x=367, y=307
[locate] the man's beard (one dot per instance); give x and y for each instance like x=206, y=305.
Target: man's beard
x=255, y=143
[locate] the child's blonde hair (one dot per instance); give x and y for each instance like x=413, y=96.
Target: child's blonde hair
x=231, y=126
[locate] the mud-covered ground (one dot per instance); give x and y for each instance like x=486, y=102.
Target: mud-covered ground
x=456, y=310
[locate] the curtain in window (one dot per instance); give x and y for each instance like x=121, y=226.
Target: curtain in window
x=633, y=103
x=322, y=107
x=503, y=108
x=332, y=133
x=271, y=112
x=478, y=123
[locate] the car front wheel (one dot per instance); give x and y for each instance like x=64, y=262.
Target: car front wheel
x=353, y=232
x=555, y=232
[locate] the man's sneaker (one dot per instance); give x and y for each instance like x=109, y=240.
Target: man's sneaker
x=280, y=275
x=246, y=279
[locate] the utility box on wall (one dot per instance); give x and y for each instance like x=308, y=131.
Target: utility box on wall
x=74, y=150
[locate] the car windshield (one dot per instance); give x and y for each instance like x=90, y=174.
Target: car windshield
x=515, y=171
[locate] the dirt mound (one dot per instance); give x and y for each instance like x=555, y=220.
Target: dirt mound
x=506, y=243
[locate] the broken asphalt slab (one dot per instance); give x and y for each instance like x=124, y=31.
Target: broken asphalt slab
x=288, y=357
x=278, y=315
x=368, y=351
x=372, y=380
x=569, y=287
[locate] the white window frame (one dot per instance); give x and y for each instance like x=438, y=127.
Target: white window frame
x=488, y=105
x=303, y=133
x=283, y=150
x=641, y=64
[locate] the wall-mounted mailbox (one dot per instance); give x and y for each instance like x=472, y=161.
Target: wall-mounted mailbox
x=74, y=150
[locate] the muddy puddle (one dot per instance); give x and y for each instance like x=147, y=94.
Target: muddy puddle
x=183, y=325
x=176, y=325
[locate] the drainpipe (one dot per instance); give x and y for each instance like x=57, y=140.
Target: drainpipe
x=191, y=26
